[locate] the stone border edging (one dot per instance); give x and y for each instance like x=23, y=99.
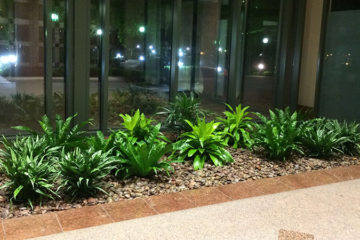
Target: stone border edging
x=62, y=221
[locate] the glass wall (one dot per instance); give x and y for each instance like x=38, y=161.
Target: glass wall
x=21, y=63
x=186, y=42
x=262, y=33
x=140, y=48
x=140, y=53
x=212, y=52
x=57, y=16
x=340, y=85
x=204, y=50
x=95, y=44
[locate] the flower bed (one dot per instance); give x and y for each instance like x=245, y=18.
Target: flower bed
x=247, y=166
x=61, y=168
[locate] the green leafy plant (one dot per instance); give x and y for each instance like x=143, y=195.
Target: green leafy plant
x=26, y=162
x=140, y=127
x=350, y=133
x=236, y=126
x=203, y=143
x=321, y=138
x=278, y=135
x=63, y=134
x=183, y=108
x=143, y=158
x=82, y=171
x=100, y=143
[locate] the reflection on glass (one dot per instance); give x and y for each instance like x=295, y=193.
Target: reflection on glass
x=260, y=54
x=340, y=86
x=209, y=48
x=95, y=44
x=58, y=52
x=213, y=52
x=140, y=53
x=21, y=64
x=185, y=46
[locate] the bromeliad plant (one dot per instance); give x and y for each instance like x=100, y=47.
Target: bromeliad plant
x=202, y=144
x=278, y=135
x=183, y=108
x=100, y=143
x=28, y=166
x=350, y=132
x=140, y=127
x=83, y=171
x=142, y=158
x=63, y=135
x=322, y=138
x=236, y=126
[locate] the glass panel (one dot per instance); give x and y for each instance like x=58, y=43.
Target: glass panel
x=340, y=85
x=95, y=58
x=209, y=48
x=212, y=51
x=261, y=54
x=185, y=45
x=341, y=5
x=223, y=51
x=58, y=51
x=140, y=53
x=21, y=64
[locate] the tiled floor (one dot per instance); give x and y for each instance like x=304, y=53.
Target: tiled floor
x=130, y=209
x=41, y=225
x=330, y=211
x=290, y=235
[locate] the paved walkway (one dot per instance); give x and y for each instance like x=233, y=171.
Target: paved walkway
x=324, y=212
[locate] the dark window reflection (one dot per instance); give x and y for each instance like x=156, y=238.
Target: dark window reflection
x=204, y=50
x=261, y=54
x=140, y=53
x=95, y=44
x=21, y=64
x=345, y=5
x=185, y=51
x=339, y=85
x=57, y=16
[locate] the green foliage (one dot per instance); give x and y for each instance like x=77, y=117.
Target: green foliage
x=28, y=166
x=183, y=108
x=202, y=144
x=278, y=135
x=100, y=143
x=82, y=171
x=350, y=133
x=140, y=127
x=142, y=158
x=137, y=125
x=236, y=126
x=322, y=138
x=63, y=135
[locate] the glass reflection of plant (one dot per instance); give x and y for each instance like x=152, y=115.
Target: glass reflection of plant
x=21, y=109
x=128, y=101
x=5, y=11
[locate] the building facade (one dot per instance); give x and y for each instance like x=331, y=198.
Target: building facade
x=99, y=58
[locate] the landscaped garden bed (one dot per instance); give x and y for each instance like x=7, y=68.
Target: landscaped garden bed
x=247, y=166
x=60, y=168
